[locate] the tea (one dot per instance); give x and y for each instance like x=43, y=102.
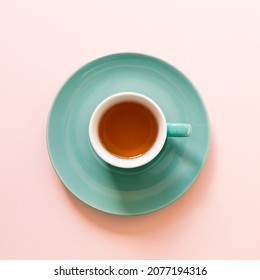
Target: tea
x=128, y=129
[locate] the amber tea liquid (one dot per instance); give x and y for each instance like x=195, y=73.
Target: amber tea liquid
x=128, y=129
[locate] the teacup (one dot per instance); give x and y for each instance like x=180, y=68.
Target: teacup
x=129, y=130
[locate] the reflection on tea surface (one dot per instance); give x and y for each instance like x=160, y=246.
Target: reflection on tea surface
x=128, y=129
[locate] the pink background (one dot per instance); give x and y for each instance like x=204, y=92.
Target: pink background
x=215, y=43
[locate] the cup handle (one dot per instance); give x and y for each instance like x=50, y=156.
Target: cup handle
x=178, y=130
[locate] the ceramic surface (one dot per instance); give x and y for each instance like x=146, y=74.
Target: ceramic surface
x=121, y=191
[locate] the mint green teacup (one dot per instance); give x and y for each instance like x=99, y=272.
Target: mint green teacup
x=164, y=130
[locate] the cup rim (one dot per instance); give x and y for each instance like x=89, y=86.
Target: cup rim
x=114, y=160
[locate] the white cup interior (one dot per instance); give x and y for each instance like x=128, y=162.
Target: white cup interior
x=119, y=161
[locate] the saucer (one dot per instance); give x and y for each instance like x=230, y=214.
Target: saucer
x=127, y=191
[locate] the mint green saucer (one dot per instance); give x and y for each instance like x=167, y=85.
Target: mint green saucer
x=114, y=190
